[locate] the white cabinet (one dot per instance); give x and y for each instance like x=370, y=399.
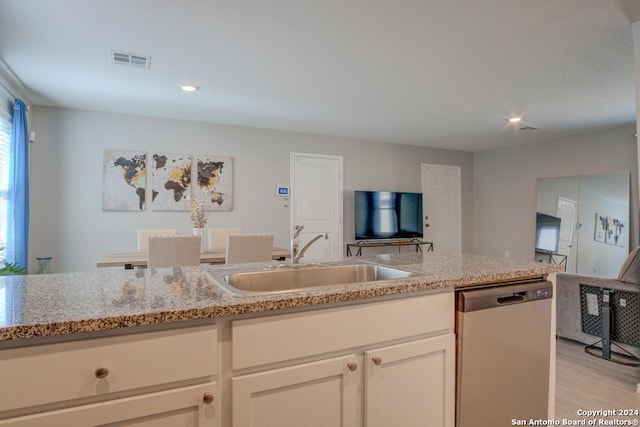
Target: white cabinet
x=376, y=364
x=379, y=364
x=154, y=378
x=185, y=407
x=411, y=384
x=316, y=394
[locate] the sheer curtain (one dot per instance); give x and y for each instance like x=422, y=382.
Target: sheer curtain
x=18, y=188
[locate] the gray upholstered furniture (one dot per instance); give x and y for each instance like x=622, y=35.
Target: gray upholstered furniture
x=569, y=318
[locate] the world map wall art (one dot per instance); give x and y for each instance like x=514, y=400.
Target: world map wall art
x=172, y=188
x=609, y=230
x=125, y=180
x=215, y=182
x=171, y=182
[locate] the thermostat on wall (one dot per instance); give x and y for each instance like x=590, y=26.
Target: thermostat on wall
x=282, y=191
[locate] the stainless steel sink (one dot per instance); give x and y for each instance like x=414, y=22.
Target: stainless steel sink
x=299, y=277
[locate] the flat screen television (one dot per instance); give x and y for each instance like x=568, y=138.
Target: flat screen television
x=547, y=233
x=388, y=215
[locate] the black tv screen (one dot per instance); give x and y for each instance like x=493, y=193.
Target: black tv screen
x=388, y=215
x=547, y=233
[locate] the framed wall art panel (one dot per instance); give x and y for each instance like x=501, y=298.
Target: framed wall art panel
x=215, y=182
x=171, y=182
x=124, y=180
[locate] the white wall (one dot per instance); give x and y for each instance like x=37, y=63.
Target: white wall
x=505, y=185
x=67, y=221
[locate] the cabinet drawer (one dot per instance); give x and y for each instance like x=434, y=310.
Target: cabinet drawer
x=175, y=407
x=57, y=372
x=265, y=340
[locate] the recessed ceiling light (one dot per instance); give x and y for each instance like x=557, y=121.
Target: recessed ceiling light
x=515, y=119
x=189, y=88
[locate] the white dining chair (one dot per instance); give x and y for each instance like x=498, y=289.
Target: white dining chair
x=217, y=238
x=249, y=248
x=173, y=251
x=143, y=236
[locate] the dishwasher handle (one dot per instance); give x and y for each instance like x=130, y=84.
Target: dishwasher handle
x=510, y=299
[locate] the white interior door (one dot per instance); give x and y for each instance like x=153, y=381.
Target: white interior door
x=316, y=202
x=567, y=211
x=441, y=199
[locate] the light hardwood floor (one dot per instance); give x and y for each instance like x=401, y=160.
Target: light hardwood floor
x=590, y=383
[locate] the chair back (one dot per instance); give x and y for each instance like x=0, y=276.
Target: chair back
x=143, y=236
x=173, y=251
x=249, y=248
x=218, y=238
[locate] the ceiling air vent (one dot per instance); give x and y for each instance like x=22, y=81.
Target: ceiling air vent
x=527, y=128
x=130, y=59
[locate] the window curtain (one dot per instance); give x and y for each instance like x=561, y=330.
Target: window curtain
x=18, y=188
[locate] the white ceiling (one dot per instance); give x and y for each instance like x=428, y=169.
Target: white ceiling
x=438, y=73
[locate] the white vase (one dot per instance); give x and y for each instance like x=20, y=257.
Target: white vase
x=197, y=231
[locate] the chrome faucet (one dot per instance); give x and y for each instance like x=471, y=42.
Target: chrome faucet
x=296, y=252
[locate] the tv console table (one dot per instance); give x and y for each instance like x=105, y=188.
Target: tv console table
x=364, y=244
x=553, y=257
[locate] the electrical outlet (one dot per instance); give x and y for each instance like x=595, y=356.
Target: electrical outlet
x=506, y=254
x=623, y=302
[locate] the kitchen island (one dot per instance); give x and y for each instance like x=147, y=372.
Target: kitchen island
x=170, y=344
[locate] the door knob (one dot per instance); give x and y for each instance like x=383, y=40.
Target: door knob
x=352, y=366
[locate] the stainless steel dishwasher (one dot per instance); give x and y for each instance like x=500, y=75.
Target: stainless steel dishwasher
x=503, y=353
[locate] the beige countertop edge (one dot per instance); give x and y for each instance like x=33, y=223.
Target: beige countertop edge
x=439, y=271
x=237, y=306
x=265, y=304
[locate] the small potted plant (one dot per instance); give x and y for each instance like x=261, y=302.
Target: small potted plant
x=12, y=269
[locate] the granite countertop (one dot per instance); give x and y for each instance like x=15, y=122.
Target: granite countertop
x=60, y=304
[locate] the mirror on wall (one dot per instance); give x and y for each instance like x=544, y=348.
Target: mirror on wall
x=583, y=222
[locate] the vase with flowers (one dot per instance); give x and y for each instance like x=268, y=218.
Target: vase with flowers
x=198, y=215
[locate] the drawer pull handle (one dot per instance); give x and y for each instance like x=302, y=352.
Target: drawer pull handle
x=376, y=360
x=352, y=366
x=102, y=373
x=207, y=398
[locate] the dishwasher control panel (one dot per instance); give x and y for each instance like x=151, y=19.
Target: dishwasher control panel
x=503, y=294
x=540, y=294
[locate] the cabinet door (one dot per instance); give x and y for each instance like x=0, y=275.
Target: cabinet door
x=185, y=407
x=317, y=394
x=411, y=384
